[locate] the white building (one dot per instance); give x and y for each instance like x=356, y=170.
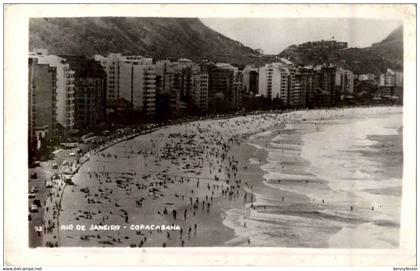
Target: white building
x=391, y=79
x=112, y=69
x=273, y=81
x=366, y=77
x=65, y=87
x=132, y=78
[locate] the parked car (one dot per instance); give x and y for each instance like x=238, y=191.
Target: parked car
x=31, y=196
x=34, y=189
x=37, y=202
x=35, y=164
x=55, y=166
x=34, y=175
x=34, y=208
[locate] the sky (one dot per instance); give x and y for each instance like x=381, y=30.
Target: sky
x=273, y=35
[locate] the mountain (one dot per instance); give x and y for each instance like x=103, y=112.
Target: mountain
x=392, y=47
x=152, y=37
x=387, y=53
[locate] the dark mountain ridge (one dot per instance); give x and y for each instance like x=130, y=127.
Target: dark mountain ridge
x=163, y=38
x=153, y=37
x=387, y=53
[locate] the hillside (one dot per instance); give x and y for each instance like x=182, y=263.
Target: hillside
x=374, y=59
x=154, y=37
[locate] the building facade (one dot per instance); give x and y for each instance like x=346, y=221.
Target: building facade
x=131, y=78
x=112, y=69
x=221, y=86
x=296, y=94
x=200, y=90
x=274, y=82
x=327, y=84
x=250, y=80
x=90, y=91
x=65, y=103
x=345, y=81
x=42, y=95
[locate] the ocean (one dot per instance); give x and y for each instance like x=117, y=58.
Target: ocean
x=332, y=183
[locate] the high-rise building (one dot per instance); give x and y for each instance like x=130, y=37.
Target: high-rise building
x=296, y=93
x=306, y=77
x=225, y=87
x=42, y=93
x=236, y=94
x=250, y=80
x=200, y=88
x=274, y=82
x=391, y=78
x=112, y=69
x=344, y=81
x=175, y=84
x=327, y=83
x=131, y=78
x=221, y=86
x=90, y=91
x=64, y=87
x=166, y=101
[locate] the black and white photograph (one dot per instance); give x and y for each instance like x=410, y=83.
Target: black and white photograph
x=216, y=131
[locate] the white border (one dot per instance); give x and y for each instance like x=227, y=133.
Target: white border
x=15, y=183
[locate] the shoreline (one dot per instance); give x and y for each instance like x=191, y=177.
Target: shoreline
x=214, y=223
x=306, y=211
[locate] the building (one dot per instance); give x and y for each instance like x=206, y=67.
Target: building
x=175, y=84
x=167, y=100
x=399, y=80
x=250, y=80
x=296, y=93
x=306, y=76
x=221, y=92
x=90, y=91
x=42, y=95
x=64, y=88
x=237, y=91
x=367, y=77
x=137, y=83
x=274, y=82
x=327, y=84
x=344, y=81
x=131, y=78
x=112, y=69
x=391, y=78
x=200, y=89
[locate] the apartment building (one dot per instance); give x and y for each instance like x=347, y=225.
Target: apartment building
x=274, y=82
x=42, y=95
x=200, y=88
x=90, y=91
x=131, y=78
x=65, y=103
x=344, y=81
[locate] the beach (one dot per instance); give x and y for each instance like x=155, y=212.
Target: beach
x=300, y=179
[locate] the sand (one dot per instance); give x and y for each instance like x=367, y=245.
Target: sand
x=132, y=182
